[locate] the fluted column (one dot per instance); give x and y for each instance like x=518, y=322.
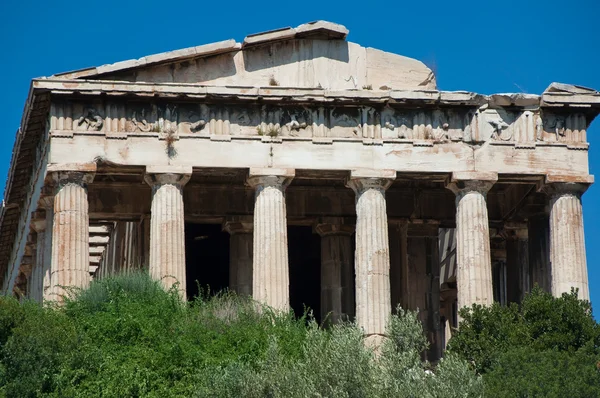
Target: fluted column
x=372, y=253
x=337, y=272
x=35, y=283
x=567, y=239
x=240, y=254
x=473, y=257
x=167, y=225
x=270, y=276
x=517, y=262
x=538, y=236
x=70, y=230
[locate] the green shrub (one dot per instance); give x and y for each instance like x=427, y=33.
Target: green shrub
x=547, y=347
x=527, y=372
x=125, y=336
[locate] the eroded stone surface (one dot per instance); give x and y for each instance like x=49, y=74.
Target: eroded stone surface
x=473, y=257
x=567, y=240
x=167, y=234
x=372, y=255
x=270, y=280
x=70, y=231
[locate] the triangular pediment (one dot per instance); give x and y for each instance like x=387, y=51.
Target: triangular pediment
x=313, y=55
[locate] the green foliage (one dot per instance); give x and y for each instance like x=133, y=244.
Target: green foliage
x=547, y=347
x=126, y=337
x=527, y=372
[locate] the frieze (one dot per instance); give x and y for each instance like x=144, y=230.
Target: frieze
x=366, y=123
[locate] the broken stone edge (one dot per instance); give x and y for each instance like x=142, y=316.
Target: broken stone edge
x=313, y=30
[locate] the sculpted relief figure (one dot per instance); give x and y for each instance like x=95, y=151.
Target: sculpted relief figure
x=296, y=123
x=91, y=120
x=553, y=128
x=539, y=128
x=142, y=124
x=500, y=126
x=193, y=119
x=168, y=119
x=345, y=123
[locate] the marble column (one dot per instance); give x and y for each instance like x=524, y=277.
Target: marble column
x=372, y=253
x=517, y=263
x=567, y=239
x=35, y=283
x=399, y=275
x=337, y=273
x=538, y=236
x=473, y=256
x=167, y=225
x=70, y=230
x=270, y=276
x=240, y=254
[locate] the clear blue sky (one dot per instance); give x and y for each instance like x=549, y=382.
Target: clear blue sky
x=480, y=46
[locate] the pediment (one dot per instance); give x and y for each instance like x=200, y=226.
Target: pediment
x=314, y=55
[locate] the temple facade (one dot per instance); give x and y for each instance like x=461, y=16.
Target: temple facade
x=301, y=169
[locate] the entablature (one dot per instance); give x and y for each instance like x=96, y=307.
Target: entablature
x=121, y=109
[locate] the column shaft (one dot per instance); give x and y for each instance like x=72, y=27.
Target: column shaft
x=47, y=251
x=398, y=264
x=70, y=234
x=240, y=276
x=337, y=273
x=35, y=283
x=539, y=252
x=270, y=277
x=567, y=243
x=372, y=256
x=167, y=226
x=517, y=265
x=241, y=244
x=473, y=256
x=474, y=274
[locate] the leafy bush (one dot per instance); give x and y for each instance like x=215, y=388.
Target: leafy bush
x=527, y=372
x=547, y=347
x=125, y=336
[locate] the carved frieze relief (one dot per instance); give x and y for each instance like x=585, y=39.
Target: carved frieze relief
x=563, y=128
x=91, y=120
x=143, y=119
x=435, y=125
x=327, y=121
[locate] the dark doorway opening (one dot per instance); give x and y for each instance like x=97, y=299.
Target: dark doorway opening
x=304, y=250
x=207, y=258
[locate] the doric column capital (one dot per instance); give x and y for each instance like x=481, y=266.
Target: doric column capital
x=260, y=178
x=557, y=185
x=172, y=175
x=238, y=225
x=363, y=179
x=327, y=226
x=468, y=181
x=79, y=174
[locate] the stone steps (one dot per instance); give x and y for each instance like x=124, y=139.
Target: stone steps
x=99, y=236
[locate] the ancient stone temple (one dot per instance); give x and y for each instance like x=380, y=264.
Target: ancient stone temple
x=301, y=169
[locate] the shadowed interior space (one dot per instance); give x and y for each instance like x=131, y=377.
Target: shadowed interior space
x=304, y=250
x=207, y=258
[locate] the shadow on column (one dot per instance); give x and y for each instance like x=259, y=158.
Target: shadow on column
x=304, y=251
x=207, y=258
